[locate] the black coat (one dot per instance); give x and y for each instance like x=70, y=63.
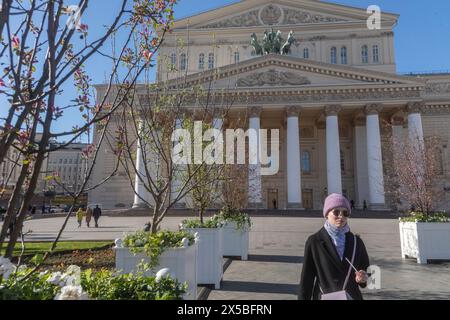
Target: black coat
x=322, y=266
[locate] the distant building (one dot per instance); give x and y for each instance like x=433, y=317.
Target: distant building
x=68, y=164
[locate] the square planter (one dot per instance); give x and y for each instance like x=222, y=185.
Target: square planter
x=235, y=242
x=209, y=256
x=425, y=241
x=181, y=262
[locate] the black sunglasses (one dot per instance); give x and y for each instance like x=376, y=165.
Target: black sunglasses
x=337, y=213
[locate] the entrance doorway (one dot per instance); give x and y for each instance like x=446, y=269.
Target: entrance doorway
x=272, y=199
x=307, y=196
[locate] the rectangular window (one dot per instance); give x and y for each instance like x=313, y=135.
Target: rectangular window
x=376, y=54
x=236, y=57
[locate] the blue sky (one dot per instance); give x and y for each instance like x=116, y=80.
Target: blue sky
x=422, y=36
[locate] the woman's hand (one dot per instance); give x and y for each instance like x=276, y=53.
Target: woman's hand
x=362, y=277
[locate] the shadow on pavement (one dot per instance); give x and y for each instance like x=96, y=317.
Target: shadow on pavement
x=259, y=287
x=273, y=258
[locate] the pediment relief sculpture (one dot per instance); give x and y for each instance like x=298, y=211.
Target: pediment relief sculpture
x=272, y=78
x=271, y=15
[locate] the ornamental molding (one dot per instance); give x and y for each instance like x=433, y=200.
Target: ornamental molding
x=271, y=15
x=272, y=77
x=436, y=109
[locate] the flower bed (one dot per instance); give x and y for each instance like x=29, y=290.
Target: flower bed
x=74, y=284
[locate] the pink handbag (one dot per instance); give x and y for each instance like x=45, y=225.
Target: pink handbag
x=342, y=295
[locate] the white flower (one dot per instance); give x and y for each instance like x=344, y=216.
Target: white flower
x=71, y=293
x=185, y=242
x=119, y=243
x=56, y=279
x=138, y=243
x=6, y=268
x=163, y=273
x=43, y=274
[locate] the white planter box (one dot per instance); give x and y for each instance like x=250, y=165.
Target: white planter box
x=425, y=241
x=235, y=242
x=181, y=262
x=209, y=256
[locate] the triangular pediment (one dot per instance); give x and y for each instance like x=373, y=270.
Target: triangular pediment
x=278, y=71
x=264, y=13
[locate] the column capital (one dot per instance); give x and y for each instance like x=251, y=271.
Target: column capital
x=359, y=120
x=415, y=107
x=333, y=110
x=398, y=119
x=373, y=108
x=293, y=111
x=254, y=112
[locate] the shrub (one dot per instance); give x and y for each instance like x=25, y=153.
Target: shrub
x=242, y=219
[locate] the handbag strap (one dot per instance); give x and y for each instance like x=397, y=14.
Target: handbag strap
x=353, y=261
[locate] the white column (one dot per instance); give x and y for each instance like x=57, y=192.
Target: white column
x=218, y=124
x=177, y=179
x=415, y=123
x=361, y=172
x=141, y=193
x=374, y=159
x=333, y=151
x=294, y=174
x=254, y=175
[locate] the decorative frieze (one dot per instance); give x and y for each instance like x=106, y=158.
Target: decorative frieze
x=271, y=15
x=437, y=88
x=292, y=16
x=272, y=78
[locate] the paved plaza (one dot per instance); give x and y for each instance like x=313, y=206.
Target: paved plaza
x=275, y=261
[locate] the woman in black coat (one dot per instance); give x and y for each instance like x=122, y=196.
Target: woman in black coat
x=325, y=267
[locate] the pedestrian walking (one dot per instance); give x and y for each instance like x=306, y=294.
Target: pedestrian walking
x=331, y=254
x=97, y=214
x=88, y=216
x=80, y=215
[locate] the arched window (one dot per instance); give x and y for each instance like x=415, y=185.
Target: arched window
x=173, y=59
x=376, y=54
x=364, y=54
x=306, y=162
x=183, y=61
x=344, y=55
x=211, y=61
x=237, y=57
x=201, y=61
x=306, y=53
x=333, y=57
x=342, y=162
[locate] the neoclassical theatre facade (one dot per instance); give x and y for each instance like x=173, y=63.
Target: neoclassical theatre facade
x=336, y=98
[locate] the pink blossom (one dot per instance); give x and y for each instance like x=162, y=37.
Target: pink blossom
x=15, y=42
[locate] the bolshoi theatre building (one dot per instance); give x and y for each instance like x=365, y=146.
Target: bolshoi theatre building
x=335, y=96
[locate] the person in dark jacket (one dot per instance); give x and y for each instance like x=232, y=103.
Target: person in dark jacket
x=325, y=267
x=97, y=214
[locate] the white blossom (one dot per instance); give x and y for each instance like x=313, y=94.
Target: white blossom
x=6, y=268
x=72, y=293
x=185, y=242
x=56, y=279
x=163, y=273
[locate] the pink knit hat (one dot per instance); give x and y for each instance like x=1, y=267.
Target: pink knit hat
x=336, y=201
